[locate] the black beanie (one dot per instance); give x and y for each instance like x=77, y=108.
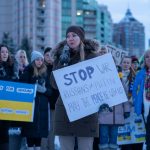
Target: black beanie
x=78, y=30
x=48, y=49
x=134, y=59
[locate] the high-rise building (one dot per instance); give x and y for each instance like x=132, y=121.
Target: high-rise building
x=90, y=16
x=72, y=14
x=106, y=25
x=149, y=43
x=6, y=15
x=95, y=19
x=82, y=13
x=37, y=20
x=129, y=33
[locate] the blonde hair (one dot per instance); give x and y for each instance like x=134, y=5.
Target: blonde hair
x=18, y=55
x=39, y=71
x=145, y=54
x=148, y=51
x=82, y=52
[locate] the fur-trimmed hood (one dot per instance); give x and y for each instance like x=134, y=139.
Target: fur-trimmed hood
x=90, y=45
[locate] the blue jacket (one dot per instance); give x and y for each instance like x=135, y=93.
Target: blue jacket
x=138, y=90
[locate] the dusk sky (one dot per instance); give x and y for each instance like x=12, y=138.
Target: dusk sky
x=140, y=10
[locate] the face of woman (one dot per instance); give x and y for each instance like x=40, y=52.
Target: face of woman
x=22, y=58
x=135, y=65
x=126, y=63
x=4, y=53
x=39, y=62
x=147, y=60
x=73, y=40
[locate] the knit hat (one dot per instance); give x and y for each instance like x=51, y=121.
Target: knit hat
x=35, y=55
x=134, y=59
x=78, y=30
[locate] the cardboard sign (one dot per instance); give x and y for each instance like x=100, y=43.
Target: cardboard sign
x=117, y=53
x=17, y=101
x=86, y=85
x=133, y=131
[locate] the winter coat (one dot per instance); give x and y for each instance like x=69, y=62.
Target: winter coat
x=39, y=126
x=84, y=127
x=6, y=74
x=116, y=116
x=55, y=93
x=6, y=71
x=138, y=90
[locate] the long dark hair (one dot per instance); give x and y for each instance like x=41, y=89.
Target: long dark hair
x=9, y=60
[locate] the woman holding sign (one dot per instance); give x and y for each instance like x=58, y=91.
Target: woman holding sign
x=6, y=74
x=71, y=51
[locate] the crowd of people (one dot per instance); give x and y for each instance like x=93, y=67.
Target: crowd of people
x=98, y=131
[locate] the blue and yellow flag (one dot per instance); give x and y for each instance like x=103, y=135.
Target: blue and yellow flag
x=17, y=101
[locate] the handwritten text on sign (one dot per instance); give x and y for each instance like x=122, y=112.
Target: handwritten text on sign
x=86, y=85
x=117, y=53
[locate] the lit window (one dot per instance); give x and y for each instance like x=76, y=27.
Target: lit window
x=79, y=12
x=87, y=12
x=42, y=3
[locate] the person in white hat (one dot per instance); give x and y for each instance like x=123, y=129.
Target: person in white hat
x=36, y=73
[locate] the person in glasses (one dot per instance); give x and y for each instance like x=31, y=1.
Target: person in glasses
x=22, y=61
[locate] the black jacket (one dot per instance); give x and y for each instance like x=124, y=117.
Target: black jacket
x=6, y=74
x=39, y=126
x=55, y=92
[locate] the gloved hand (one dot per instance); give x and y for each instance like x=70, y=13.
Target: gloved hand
x=65, y=56
x=41, y=88
x=14, y=131
x=105, y=108
x=126, y=115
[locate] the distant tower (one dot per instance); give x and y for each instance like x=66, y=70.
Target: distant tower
x=130, y=34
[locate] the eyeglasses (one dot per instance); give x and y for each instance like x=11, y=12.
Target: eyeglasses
x=22, y=57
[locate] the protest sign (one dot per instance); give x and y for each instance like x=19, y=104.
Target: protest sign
x=86, y=85
x=17, y=101
x=133, y=131
x=117, y=53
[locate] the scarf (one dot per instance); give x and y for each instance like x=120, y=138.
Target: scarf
x=147, y=86
x=128, y=82
x=125, y=76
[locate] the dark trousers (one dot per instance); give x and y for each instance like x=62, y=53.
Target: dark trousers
x=96, y=143
x=138, y=146
x=4, y=146
x=148, y=133
x=4, y=143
